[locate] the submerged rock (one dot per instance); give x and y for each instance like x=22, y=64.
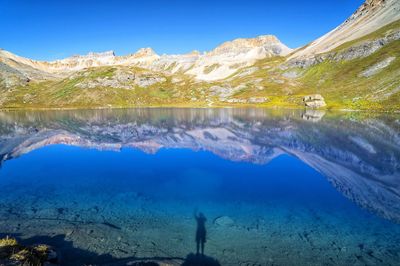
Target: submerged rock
x=224, y=221
x=314, y=101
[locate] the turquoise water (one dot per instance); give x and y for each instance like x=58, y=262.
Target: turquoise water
x=276, y=187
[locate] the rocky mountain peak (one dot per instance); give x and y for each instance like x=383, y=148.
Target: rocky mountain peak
x=369, y=6
x=96, y=55
x=369, y=17
x=144, y=52
x=373, y=3
x=241, y=45
x=195, y=52
x=247, y=43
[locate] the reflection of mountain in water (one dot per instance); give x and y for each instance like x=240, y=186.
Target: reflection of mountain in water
x=361, y=158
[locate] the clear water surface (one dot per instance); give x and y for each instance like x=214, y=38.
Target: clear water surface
x=110, y=187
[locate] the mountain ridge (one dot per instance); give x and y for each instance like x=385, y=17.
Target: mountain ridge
x=369, y=17
x=355, y=66
x=252, y=48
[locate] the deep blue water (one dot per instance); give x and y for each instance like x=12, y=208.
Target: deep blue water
x=175, y=174
x=114, y=186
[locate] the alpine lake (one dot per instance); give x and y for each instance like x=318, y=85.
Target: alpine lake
x=159, y=185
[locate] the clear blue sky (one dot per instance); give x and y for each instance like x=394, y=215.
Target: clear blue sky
x=53, y=29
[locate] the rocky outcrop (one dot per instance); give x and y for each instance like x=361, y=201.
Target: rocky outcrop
x=359, y=50
x=10, y=77
x=236, y=54
x=378, y=67
x=121, y=79
x=314, y=101
x=371, y=16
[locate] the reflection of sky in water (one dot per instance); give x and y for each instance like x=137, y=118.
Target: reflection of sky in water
x=171, y=174
x=279, y=178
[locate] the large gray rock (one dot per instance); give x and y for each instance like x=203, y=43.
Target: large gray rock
x=314, y=101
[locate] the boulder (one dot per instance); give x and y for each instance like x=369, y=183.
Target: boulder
x=314, y=101
x=224, y=221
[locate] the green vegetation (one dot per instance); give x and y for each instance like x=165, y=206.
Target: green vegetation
x=341, y=83
x=13, y=253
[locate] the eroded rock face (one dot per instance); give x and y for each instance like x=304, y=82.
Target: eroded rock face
x=10, y=77
x=359, y=50
x=314, y=101
x=371, y=16
x=378, y=67
x=223, y=92
x=122, y=80
x=227, y=58
x=147, y=81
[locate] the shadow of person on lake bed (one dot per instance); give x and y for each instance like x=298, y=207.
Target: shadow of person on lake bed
x=69, y=254
x=199, y=259
x=201, y=232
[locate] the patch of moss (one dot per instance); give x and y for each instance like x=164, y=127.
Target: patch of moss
x=8, y=242
x=11, y=250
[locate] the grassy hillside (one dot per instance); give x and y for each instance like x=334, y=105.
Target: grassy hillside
x=343, y=84
x=268, y=83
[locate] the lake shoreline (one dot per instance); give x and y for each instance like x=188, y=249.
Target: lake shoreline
x=344, y=110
